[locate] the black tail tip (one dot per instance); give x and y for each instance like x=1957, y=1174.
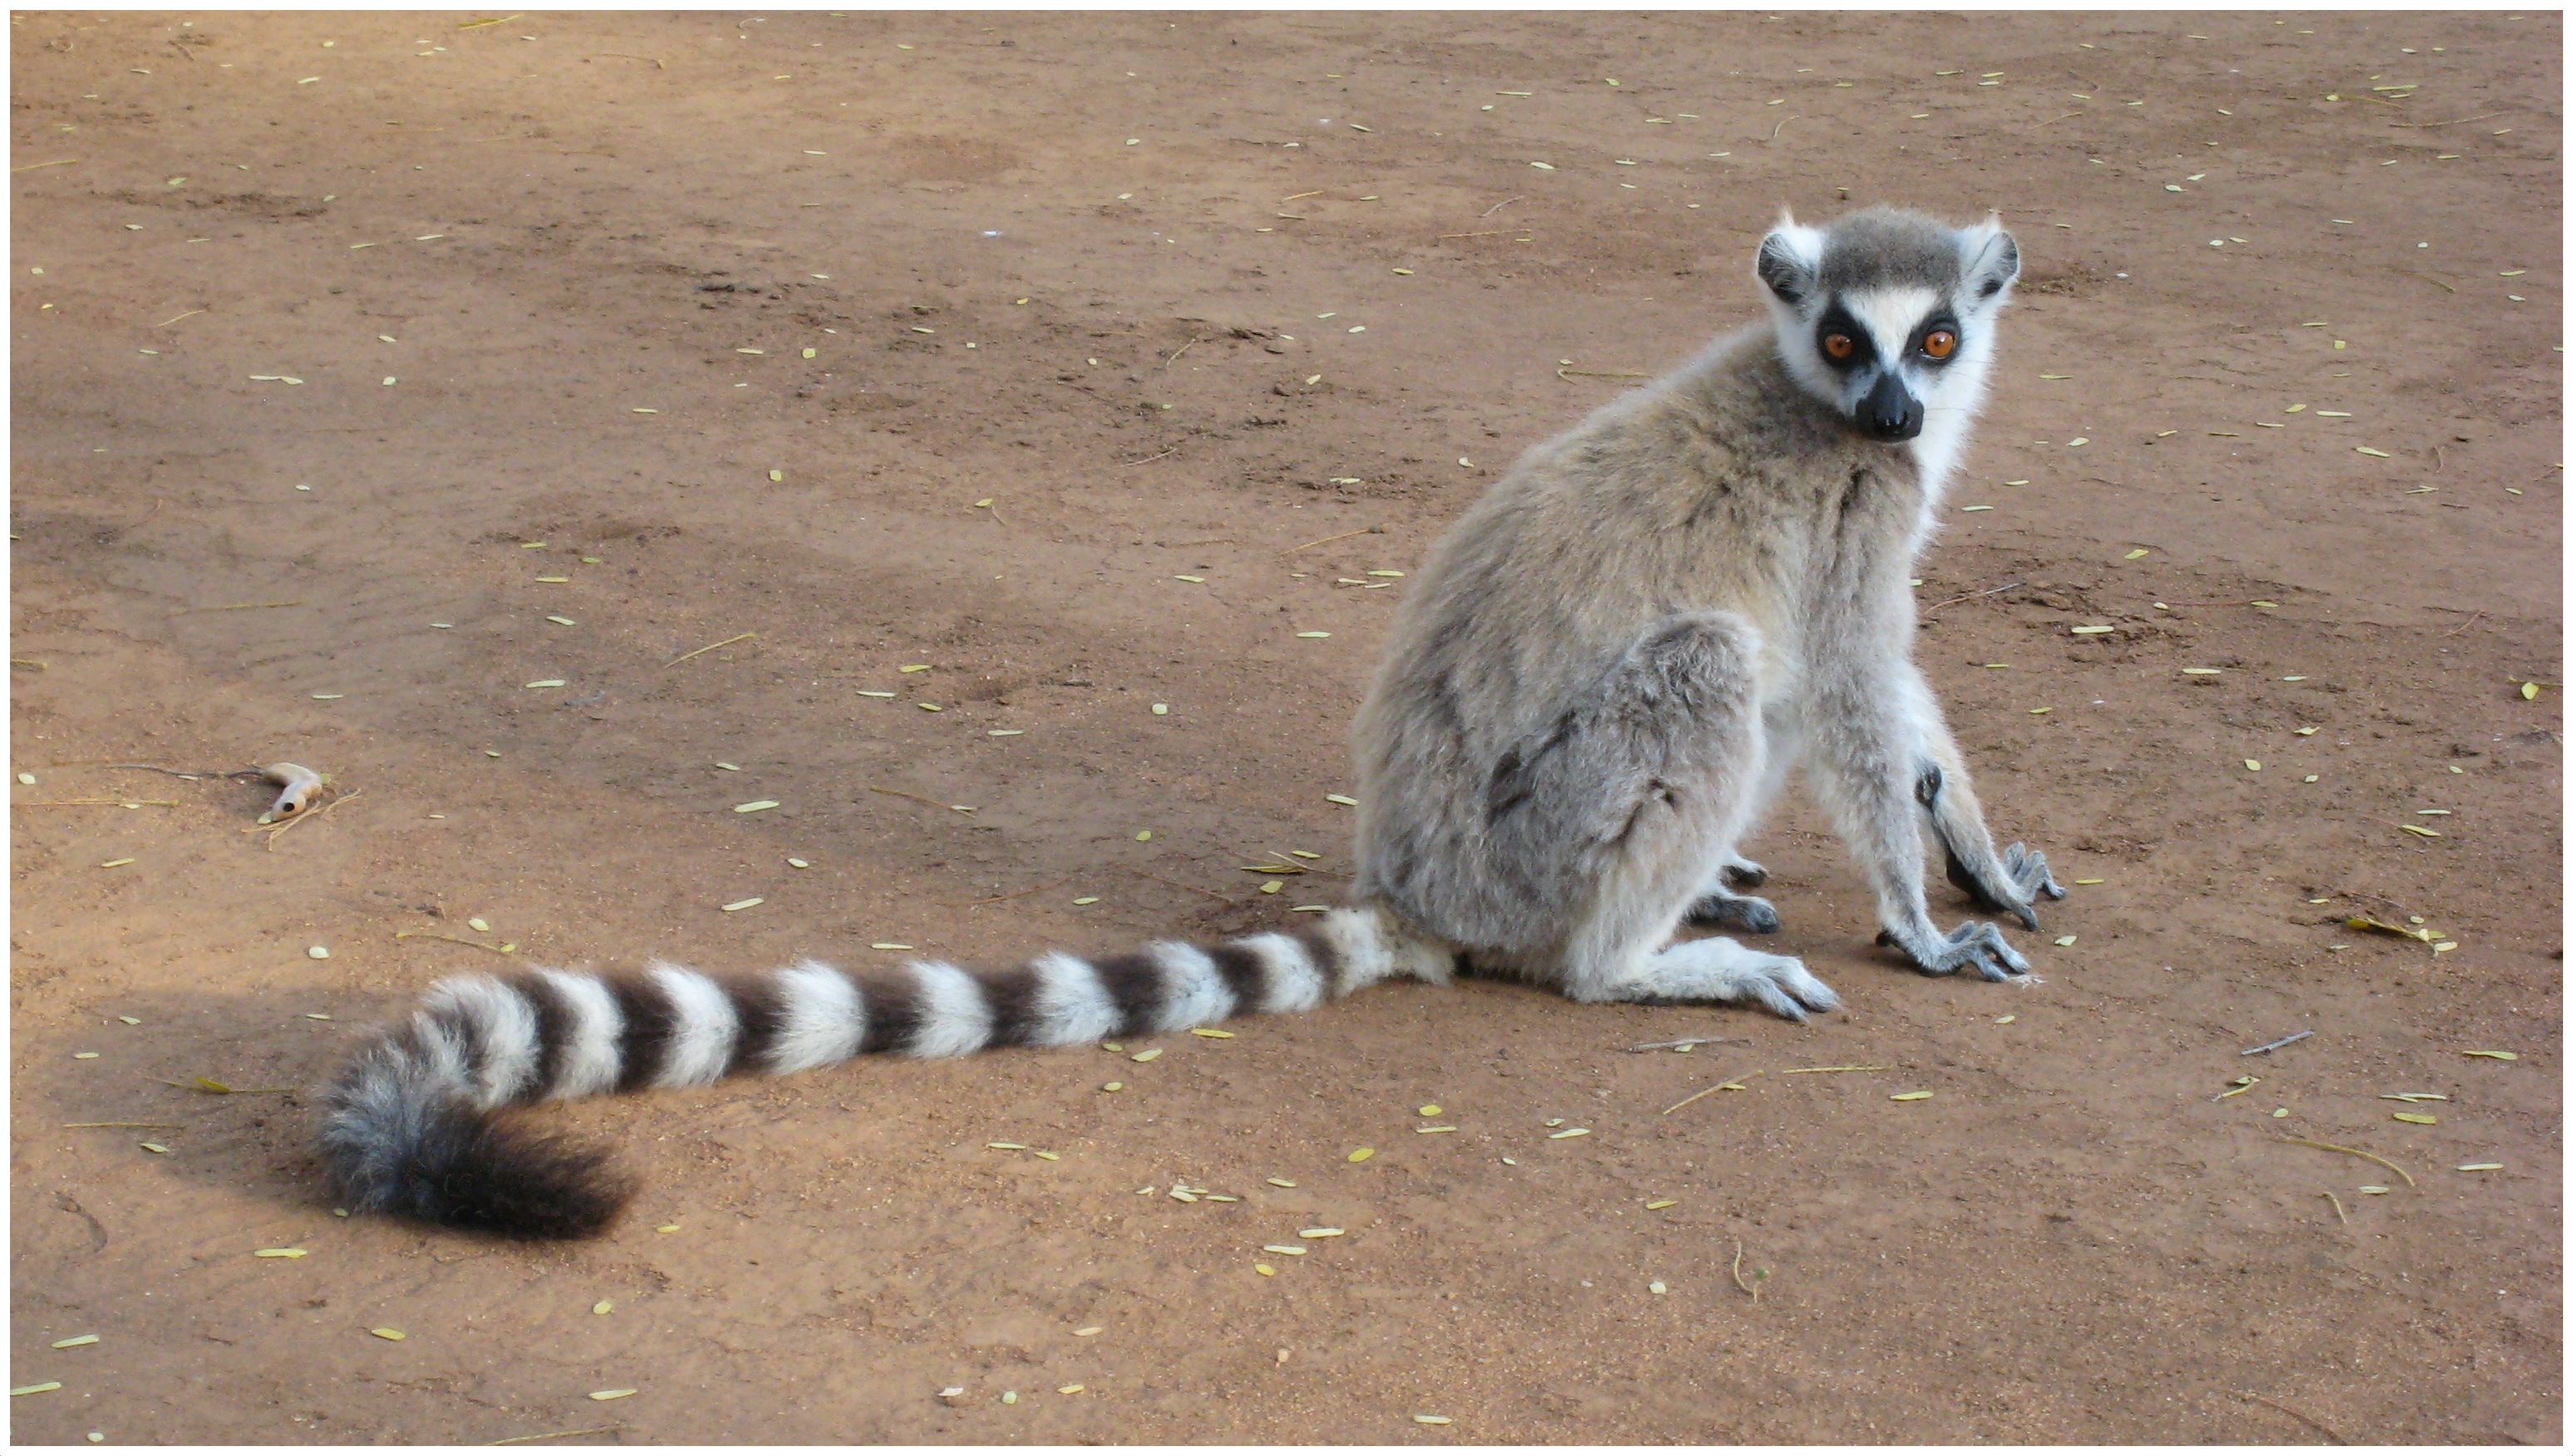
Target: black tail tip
x=489, y=1175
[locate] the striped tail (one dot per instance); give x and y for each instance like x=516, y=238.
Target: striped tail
x=413, y=1125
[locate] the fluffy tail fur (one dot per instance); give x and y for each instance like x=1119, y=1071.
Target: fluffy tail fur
x=417, y=1122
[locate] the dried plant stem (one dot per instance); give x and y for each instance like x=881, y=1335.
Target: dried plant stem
x=552, y=1435
x=906, y=794
x=710, y=647
x=1015, y=894
x=2291, y=1410
x=1970, y=596
x=1191, y=889
x=2354, y=1153
x=421, y=934
x=1374, y=530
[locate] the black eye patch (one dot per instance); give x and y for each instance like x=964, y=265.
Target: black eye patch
x=1836, y=324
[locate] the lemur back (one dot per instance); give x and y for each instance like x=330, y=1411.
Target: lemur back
x=1601, y=676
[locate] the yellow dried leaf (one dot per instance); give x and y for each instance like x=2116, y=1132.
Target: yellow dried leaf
x=1912, y=1096
x=2496, y=1055
x=2363, y=922
x=387, y=1334
x=1361, y=1155
x=2421, y=1118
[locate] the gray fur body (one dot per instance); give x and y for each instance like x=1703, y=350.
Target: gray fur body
x=1611, y=662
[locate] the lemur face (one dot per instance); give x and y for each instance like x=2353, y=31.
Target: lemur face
x=1887, y=316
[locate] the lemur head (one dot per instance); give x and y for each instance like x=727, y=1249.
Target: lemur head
x=1887, y=316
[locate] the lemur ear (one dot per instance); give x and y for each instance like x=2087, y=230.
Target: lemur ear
x=1991, y=261
x=1790, y=257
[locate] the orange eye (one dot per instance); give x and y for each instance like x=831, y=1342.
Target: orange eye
x=1839, y=346
x=1941, y=344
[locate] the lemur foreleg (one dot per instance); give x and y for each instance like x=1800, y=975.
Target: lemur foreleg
x=2009, y=881
x=1869, y=741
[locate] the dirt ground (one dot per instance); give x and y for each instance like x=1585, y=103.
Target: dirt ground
x=405, y=398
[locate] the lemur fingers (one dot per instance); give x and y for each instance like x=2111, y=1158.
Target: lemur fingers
x=2019, y=877
x=1974, y=943
x=2027, y=869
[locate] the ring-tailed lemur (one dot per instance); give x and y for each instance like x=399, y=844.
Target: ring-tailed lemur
x=1600, y=677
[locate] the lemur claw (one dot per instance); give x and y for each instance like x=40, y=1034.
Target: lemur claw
x=1973, y=943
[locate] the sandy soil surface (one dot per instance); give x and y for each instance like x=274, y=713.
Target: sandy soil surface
x=403, y=398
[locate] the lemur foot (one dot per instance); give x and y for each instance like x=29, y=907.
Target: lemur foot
x=1716, y=969
x=1975, y=943
x=2024, y=877
x=1744, y=873
x=1735, y=912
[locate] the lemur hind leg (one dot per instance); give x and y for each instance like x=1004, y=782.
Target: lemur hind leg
x=1645, y=780
x=1720, y=900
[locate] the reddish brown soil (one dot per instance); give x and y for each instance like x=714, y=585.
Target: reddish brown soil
x=1145, y=355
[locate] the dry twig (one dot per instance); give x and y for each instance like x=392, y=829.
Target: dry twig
x=552, y=1435
x=1374, y=530
x=2354, y=1153
x=1968, y=596
x=2291, y=1410
x=1175, y=885
x=710, y=647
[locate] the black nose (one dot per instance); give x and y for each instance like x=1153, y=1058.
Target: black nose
x=1889, y=413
